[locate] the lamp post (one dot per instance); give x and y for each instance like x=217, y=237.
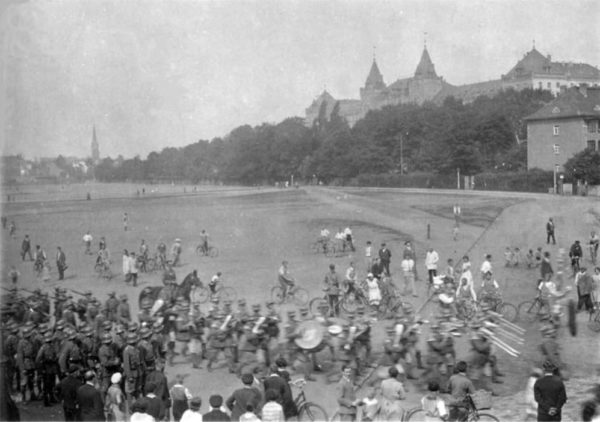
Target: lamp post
x=556, y=148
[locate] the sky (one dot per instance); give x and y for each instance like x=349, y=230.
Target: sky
x=150, y=74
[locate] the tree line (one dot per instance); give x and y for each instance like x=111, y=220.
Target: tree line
x=482, y=136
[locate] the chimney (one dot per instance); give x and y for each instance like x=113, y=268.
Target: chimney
x=583, y=89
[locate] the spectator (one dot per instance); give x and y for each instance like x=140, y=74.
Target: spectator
x=216, y=413
x=241, y=398
x=67, y=393
x=550, y=394
x=179, y=397
x=249, y=415
x=89, y=400
x=140, y=412
x=431, y=262
x=154, y=407
x=115, y=399
x=133, y=268
x=385, y=256
x=193, y=413
x=272, y=411
x=550, y=231
x=155, y=375
x=126, y=271
x=277, y=381
x=546, y=267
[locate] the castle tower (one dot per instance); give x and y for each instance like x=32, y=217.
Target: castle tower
x=373, y=92
x=425, y=68
x=95, y=147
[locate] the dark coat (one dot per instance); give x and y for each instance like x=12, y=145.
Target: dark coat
x=240, y=399
x=154, y=407
x=91, y=405
x=286, y=399
x=67, y=391
x=549, y=391
x=215, y=415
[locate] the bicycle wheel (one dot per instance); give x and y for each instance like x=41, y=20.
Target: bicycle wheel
x=330, y=250
x=594, y=325
x=300, y=296
x=335, y=417
x=199, y=250
x=318, y=303
x=415, y=414
x=227, y=293
x=213, y=252
x=203, y=295
x=151, y=265
x=350, y=303
x=529, y=310
x=312, y=412
x=508, y=311
x=277, y=294
x=482, y=417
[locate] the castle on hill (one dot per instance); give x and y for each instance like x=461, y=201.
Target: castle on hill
x=534, y=70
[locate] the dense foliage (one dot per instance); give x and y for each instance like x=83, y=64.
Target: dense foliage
x=403, y=139
x=585, y=167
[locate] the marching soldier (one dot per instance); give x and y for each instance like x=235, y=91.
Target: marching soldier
x=483, y=353
x=10, y=343
x=123, y=311
x=119, y=340
x=196, y=344
x=109, y=361
x=68, y=313
x=47, y=360
x=59, y=301
x=550, y=350
x=92, y=311
x=88, y=347
x=272, y=332
x=26, y=364
x=82, y=305
x=132, y=368
x=217, y=342
x=158, y=340
x=144, y=316
x=146, y=351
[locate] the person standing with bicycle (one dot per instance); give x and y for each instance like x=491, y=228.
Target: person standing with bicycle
x=332, y=289
x=204, y=241
x=575, y=253
x=285, y=278
x=459, y=386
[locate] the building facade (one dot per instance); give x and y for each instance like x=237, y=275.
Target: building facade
x=564, y=127
x=534, y=71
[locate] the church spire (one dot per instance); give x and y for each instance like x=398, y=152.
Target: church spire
x=425, y=68
x=95, y=146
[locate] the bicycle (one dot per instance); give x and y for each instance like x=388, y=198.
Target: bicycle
x=473, y=414
x=532, y=310
x=319, y=305
x=594, y=322
x=307, y=410
x=508, y=311
x=38, y=267
x=210, y=251
x=103, y=270
x=223, y=293
x=324, y=246
x=295, y=294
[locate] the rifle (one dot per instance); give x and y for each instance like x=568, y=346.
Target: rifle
x=77, y=292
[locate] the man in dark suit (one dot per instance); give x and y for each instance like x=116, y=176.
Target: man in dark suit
x=67, y=393
x=154, y=406
x=215, y=414
x=385, y=256
x=89, y=400
x=276, y=382
x=156, y=376
x=550, y=394
x=242, y=397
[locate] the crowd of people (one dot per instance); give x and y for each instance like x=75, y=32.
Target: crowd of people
x=101, y=364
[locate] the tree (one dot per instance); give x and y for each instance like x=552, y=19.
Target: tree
x=584, y=166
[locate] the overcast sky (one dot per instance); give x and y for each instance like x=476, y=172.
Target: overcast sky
x=151, y=74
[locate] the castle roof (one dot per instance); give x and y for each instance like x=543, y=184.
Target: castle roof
x=425, y=68
x=375, y=79
x=573, y=102
x=535, y=63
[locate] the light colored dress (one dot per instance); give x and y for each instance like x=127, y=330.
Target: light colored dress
x=115, y=403
x=374, y=292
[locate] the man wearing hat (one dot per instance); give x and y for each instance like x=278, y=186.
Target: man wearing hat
x=26, y=363
x=241, y=398
x=550, y=394
x=124, y=311
x=10, y=350
x=112, y=305
x=215, y=414
x=158, y=340
x=70, y=353
x=47, y=361
x=67, y=393
x=332, y=289
x=132, y=368
x=109, y=361
x=481, y=347
x=146, y=351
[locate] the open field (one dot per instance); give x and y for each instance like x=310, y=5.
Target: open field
x=255, y=229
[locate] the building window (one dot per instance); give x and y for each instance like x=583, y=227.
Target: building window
x=558, y=84
x=549, y=85
x=591, y=145
x=556, y=130
x=592, y=126
x=540, y=85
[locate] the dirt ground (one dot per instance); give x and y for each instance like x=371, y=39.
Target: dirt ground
x=256, y=228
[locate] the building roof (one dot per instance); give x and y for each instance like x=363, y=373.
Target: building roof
x=375, y=79
x=573, y=102
x=535, y=63
x=468, y=93
x=425, y=68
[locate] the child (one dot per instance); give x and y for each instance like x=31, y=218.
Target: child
x=433, y=405
x=180, y=396
x=371, y=406
x=538, y=257
x=14, y=274
x=529, y=258
x=516, y=258
x=508, y=257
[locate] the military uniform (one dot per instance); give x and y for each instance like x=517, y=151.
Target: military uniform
x=124, y=311
x=109, y=361
x=112, y=307
x=47, y=360
x=70, y=353
x=10, y=351
x=132, y=368
x=26, y=364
